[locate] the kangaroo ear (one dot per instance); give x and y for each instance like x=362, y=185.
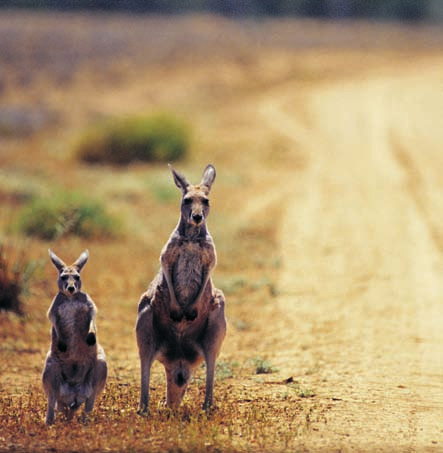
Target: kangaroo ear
x=208, y=176
x=58, y=263
x=81, y=260
x=180, y=181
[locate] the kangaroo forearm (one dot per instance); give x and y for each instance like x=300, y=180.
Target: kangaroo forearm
x=172, y=298
x=205, y=281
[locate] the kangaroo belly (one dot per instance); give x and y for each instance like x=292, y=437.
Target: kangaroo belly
x=179, y=347
x=76, y=383
x=75, y=373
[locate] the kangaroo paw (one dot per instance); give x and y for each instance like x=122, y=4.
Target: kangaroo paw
x=62, y=347
x=191, y=314
x=91, y=339
x=176, y=316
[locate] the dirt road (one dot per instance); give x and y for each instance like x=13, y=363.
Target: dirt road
x=362, y=243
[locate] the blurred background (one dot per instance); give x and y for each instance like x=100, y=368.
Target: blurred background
x=378, y=9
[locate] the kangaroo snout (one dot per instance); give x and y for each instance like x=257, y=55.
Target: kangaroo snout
x=197, y=218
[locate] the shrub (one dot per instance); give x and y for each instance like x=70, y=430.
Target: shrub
x=263, y=366
x=66, y=213
x=156, y=138
x=14, y=278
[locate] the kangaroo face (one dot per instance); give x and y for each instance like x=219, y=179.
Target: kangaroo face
x=195, y=199
x=69, y=281
x=195, y=205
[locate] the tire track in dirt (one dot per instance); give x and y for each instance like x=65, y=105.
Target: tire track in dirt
x=361, y=283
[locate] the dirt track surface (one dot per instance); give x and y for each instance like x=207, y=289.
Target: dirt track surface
x=362, y=276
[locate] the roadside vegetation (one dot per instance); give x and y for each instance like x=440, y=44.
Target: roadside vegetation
x=66, y=213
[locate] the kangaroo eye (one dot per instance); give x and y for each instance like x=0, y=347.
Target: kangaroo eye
x=64, y=277
x=187, y=201
x=76, y=278
x=205, y=201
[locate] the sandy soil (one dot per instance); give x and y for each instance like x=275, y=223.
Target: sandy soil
x=361, y=282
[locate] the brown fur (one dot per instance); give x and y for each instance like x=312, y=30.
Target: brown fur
x=181, y=319
x=75, y=369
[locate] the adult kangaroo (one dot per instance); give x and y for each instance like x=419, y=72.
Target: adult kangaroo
x=181, y=317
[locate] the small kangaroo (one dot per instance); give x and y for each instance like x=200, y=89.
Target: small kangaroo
x=181, y=317
x=75, y=369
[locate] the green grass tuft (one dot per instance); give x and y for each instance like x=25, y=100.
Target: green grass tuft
x=263, y=366
x=157, y=138
x=67, y=213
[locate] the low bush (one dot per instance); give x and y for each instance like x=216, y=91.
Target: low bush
x=158, y=138
x=67, y=213
x=15, y=274
x=263, y=366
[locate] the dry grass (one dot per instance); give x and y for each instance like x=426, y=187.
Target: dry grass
x=215, y=73
x=243, y=422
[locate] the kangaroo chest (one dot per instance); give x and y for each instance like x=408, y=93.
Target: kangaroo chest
x=73, y=319
x=187, y=272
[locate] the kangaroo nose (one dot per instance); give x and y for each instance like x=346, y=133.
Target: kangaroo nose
x=197, y=218
x=71, y=289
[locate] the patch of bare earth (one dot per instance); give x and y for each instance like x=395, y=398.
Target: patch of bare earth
x=359, y=316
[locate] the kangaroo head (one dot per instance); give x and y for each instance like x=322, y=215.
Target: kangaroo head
x=195, y=199
x=69, y=281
